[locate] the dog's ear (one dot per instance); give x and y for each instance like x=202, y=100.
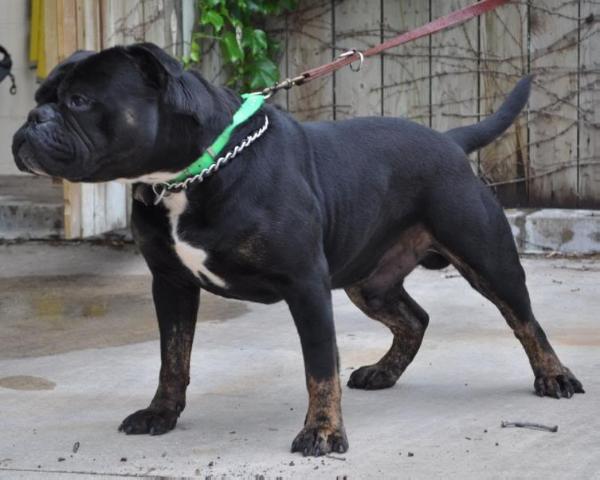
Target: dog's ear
x=164, y=72
x=47, y=91
x=156, y=65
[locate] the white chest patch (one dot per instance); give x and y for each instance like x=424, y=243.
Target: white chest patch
x=192, y=257
x=149, y=178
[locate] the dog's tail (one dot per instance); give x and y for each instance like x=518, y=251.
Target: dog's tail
x=476, y=136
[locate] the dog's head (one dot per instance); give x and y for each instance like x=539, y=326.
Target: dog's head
x=125, y=112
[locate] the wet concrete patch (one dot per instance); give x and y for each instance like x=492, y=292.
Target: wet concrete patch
x=48, y=315
x=26, y=382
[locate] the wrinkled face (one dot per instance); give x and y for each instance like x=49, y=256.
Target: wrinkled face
x=100, y=116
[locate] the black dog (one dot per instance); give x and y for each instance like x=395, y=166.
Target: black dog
x=308, y=207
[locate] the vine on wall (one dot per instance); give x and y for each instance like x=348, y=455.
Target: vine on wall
x=247, y=50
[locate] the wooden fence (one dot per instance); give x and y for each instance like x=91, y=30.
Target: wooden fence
x=551, y=157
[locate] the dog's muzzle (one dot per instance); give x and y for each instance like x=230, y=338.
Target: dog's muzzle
x=32, y=140
x=26, y=160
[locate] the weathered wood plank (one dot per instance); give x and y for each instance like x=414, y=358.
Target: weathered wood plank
x=92, y=35
x=116, y=206
x=172, y=26
x=60, y=33
x=503, y=40
x=161, y=24
x=589, y=105
x=79, y=20
x=50, y=34
x=87, y=193
x=188, y=22
x=178, y=27
x=454, y=70
x=553, y=123
x=72, y=209
x=211, y=64
x=406, y=75
x=129, y=21
x=276, y=28
x=358, y=26
x=100, y=214
x=454, y=82
x=111, y=12
x=309, y=45
x=69, y=23
x=154, y=21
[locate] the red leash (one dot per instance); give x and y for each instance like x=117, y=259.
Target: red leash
x=351, y=56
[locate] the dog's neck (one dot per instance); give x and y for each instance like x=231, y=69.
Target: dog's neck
x=214, y=115
x=214, y=107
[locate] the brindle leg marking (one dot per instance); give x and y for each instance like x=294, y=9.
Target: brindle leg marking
x=323, y=430
x=310, y=304
x=176, y=308
x=552, y=378
x=471, y=231
x=407, y=321
x=382, y=297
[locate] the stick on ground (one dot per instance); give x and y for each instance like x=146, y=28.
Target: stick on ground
x=532, y=426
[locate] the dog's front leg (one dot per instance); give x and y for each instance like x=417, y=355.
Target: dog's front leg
x=176, y=308
x=323, y=432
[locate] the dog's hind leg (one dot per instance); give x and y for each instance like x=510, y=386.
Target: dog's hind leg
x=472, y=232
x=407, y=321
x=382, y=297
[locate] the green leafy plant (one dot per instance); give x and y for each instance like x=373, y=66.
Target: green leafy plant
x=247, y=50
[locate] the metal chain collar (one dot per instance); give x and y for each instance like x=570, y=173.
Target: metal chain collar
x=161, y=190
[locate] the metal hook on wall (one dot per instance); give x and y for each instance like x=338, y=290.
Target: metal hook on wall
x=5, y=66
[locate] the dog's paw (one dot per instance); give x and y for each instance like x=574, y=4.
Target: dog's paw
x=317, y=441
x=372, y=377
x=562, y=385
x=150, y=420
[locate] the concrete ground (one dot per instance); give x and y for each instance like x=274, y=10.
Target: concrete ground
x=79, y=351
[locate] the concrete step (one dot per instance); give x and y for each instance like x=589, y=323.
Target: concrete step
x=30, y=208
x=556, y=230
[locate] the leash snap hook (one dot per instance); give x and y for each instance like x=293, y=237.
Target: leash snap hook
x=265, y=92
x=350, y=52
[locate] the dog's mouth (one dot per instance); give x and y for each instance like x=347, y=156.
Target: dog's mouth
x=42, y=159
x=27, y=160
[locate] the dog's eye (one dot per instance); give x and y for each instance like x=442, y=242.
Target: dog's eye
x=78, y=102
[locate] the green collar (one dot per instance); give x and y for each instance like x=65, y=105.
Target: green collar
x=251, y=105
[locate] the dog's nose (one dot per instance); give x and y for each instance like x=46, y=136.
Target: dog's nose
x=41, y=114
